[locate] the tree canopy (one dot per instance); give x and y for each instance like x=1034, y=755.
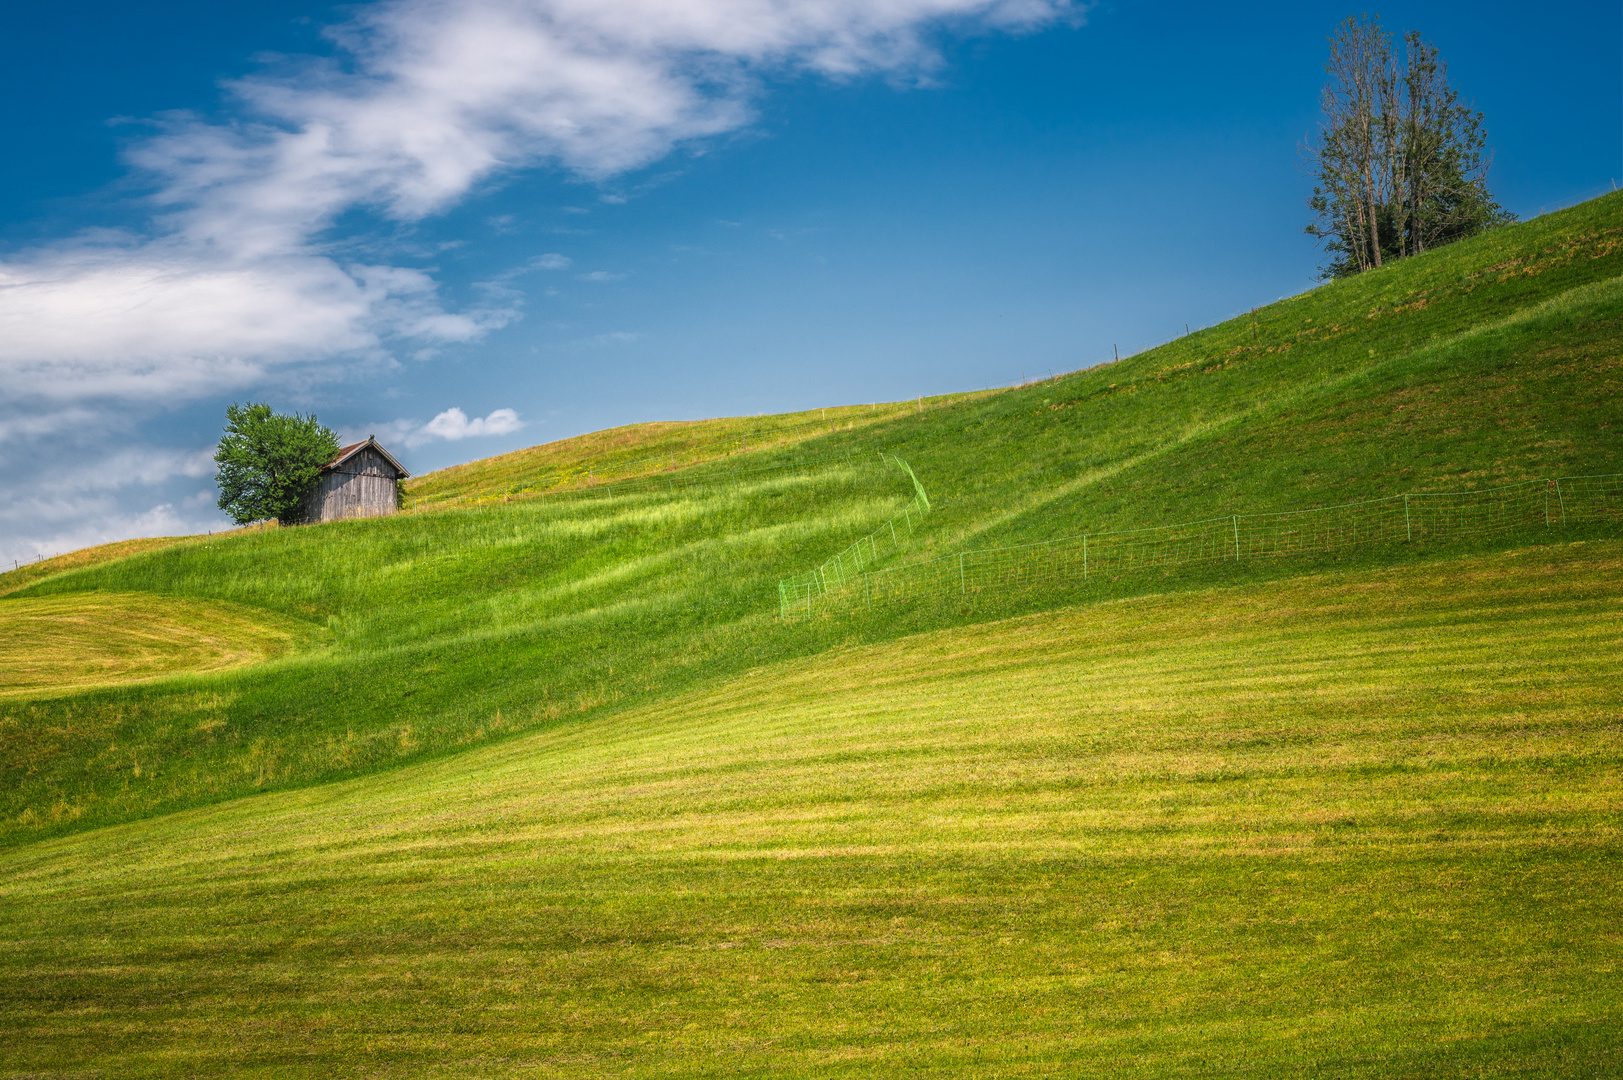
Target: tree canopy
x=1400, y=162
x=269, y=461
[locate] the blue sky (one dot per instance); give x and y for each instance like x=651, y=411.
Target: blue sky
x=553, y=216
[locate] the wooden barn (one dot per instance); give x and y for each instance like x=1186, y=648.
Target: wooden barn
x=359, y=482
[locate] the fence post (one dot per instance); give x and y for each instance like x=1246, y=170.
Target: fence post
x=1236, y=537
x=962, y=589
x=1546, y=506
x=1084, y=556
x=1408, y=530
x=1563, y=500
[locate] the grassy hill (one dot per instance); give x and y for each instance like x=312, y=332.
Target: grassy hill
x=535, y=776
x=1489, y=360
x=641, y=450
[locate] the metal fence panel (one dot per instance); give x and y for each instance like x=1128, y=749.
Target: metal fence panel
x=850, y=579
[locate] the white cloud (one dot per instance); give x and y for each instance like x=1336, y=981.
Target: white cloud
x=551, y=261
x=157, y=321
x=137, y=465
x=94, y=498
x=602, y=275
x=238, y=278
x=35, y=424
x=79, y=523
x=452, y=425
x=233, y=280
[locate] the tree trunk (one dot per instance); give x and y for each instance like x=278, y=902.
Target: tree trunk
x=1369, y=197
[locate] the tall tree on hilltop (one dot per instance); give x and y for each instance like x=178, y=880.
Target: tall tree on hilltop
x=1400, y=162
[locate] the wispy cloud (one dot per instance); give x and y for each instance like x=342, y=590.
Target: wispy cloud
x=230, y=281
x=98, y=498
x=60, y=525
x=240, y=276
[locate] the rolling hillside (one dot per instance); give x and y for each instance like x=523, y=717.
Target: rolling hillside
x=534, y=778
x=440, y=629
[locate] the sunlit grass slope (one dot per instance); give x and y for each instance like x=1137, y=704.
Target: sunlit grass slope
x=24, y=576
x=49, y=644
x=1352, y=825
x=427, y=632
x=1490, y=360
x=644, y=449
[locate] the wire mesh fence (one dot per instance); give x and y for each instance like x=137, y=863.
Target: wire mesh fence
x=837, y=572
x=1397, y=519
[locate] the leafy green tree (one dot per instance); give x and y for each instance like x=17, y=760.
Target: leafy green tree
x=269, y=461
x=1401, y=162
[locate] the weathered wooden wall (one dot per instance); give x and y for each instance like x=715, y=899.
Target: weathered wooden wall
x=363, y=486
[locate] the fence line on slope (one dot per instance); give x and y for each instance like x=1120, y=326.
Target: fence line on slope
x=837, y=570
x=1410, y=518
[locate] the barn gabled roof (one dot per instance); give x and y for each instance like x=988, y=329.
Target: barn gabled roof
x=355, y=448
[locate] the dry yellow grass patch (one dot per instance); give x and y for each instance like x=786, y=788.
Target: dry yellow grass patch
x=56, y=643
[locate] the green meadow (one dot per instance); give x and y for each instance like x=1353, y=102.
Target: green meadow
x=1360, y=824
x=532, y=779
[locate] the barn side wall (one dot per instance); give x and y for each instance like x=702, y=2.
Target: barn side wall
x=363, y=486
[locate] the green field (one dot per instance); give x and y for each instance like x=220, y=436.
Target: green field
x=539, y=783
x=1353, y=825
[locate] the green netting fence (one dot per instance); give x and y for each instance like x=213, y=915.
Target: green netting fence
x=837, y=573
x=1412, y=518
